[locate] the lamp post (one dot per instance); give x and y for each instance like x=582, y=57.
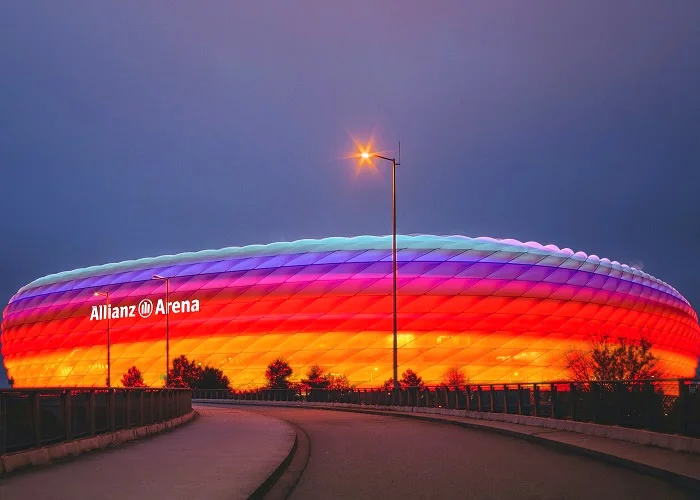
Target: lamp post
x=167, y=324
x=109, y=343
x=366, y=155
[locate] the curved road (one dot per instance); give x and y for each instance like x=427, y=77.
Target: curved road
x=355, y=455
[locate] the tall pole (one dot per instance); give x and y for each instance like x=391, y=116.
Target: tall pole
x=167, y=325
x=367, y=155
x=109, y=342
x=393, y=260
x=167, y=330
x=109, y=346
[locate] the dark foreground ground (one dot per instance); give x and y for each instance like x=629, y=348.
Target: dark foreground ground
x=355, y=455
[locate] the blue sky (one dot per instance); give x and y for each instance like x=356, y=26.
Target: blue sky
x=132, y=129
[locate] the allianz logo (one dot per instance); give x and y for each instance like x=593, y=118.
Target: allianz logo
x=144, y=309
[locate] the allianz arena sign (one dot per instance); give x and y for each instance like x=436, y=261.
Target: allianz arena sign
x=144, y=309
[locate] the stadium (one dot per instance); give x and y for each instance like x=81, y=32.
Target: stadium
x=498, y=309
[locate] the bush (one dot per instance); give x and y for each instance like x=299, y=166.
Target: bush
x=191, y=375
x=133, y=378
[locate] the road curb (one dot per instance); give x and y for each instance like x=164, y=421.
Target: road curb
x=13, y=462
x=284, y=478
x=282, y=483
x=681, y=480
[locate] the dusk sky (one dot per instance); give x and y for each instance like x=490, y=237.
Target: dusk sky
x=136, y=129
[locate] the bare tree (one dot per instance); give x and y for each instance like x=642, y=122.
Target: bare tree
x=454, y=377
x=607, y=359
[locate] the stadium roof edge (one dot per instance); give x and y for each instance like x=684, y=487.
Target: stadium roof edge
x=414, y=241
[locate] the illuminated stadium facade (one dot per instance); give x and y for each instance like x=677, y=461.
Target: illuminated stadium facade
x=501, y=310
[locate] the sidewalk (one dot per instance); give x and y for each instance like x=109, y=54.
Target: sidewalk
x=224, y=453
x=677, y=467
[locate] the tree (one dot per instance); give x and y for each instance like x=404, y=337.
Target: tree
x=338, y=382
x=454, y=377
x=192, y=375
x=277, y=374
x=388, y=385
x=409, y=378
x=212, y=378
x=315, y=379
x=184, y=373
x=608, y=360
x=133, y=378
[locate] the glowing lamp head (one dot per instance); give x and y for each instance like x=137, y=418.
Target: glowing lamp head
x=365, y=155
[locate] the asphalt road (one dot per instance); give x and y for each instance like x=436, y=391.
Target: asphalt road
x=359, y=456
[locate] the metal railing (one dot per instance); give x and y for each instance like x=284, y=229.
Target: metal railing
x=31, y=418
x=660, y=405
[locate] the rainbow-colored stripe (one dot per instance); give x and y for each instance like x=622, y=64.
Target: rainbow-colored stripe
x=501, y=310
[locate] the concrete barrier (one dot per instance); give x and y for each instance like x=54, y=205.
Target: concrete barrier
x=657, y=439
x=46, y=454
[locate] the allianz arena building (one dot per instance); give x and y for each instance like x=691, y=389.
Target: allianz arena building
x=500, y=310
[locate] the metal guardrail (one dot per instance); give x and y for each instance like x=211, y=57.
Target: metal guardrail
x=31, y=418
x=659, y=405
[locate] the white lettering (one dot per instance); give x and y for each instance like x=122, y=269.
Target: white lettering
x=144, y=308
x=160, y=307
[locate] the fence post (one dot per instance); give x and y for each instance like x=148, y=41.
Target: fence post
x=110, y=406
x=36, y=421
x=553, y=400
x=3, y=425
x=67, y=420
x=595, y=395
x=520, y=400
x=479, y=392
x=618, y=403
x=142, y=409
x=572, y=397
x=682, y=406
x=505, y=399
x=91, y=412
x=536, y=398
x=648, y=405
x=492, y=403
x=127, y=397
x=3, y=429
x=151, y=407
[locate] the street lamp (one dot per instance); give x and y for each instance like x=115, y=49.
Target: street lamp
x=365, y=155
x=167, y=324
x=109, y=343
